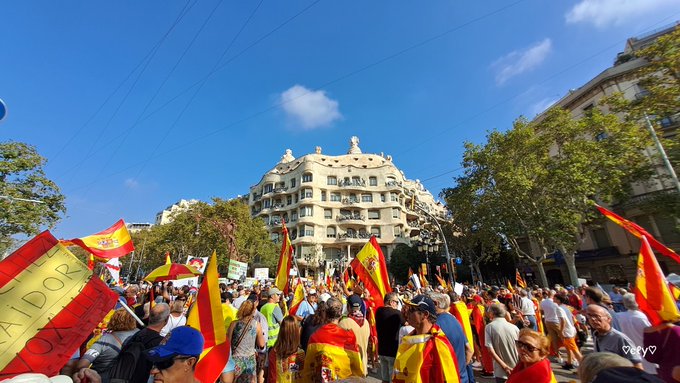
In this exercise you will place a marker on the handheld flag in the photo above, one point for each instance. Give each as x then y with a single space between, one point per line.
510 287
519 281
369 265
298 297
639 232
113 266
285 261
113 242
441 281
651 289
207 317
52 305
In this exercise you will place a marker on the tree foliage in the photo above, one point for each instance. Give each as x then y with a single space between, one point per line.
22 177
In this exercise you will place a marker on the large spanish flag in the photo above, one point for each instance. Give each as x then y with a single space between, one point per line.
207 317
651 289
460 311
369 265
639 232
333 353
51 304
285 261
113 242
408 366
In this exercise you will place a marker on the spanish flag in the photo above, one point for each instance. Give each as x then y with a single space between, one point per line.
442 282
408 366
167 258
285 261
51 304
510 287
298 297
639 232
113 242
539 317
651 289
519 281
369 265
332 354
207 317
460 311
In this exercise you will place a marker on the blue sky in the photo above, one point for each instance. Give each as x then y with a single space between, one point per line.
137 104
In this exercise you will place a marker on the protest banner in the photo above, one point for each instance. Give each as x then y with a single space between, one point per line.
237 270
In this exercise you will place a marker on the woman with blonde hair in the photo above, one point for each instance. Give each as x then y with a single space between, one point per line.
286 358
245 334
533 366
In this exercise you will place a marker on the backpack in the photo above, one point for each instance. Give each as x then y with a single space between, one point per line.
129 361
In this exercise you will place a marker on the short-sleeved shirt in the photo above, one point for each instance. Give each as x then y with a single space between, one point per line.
550 311
501 336
305 309
106 349
527 306
456 336
388 321
614 341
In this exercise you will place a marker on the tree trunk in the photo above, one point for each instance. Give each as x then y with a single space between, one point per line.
570 261
479 273
541 274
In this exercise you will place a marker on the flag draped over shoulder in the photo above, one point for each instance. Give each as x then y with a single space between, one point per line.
113 242
460 311
285 261
369 265
207 317
414 349
651 289
51 303
519 281
639 232
333 353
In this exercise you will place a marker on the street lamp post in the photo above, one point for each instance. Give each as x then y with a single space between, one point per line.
450 267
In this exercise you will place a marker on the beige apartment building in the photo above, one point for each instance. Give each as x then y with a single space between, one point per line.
608 253
332 204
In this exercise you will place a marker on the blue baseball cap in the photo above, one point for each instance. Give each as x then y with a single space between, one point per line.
182 340
423 303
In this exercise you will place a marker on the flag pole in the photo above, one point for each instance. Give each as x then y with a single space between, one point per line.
129 310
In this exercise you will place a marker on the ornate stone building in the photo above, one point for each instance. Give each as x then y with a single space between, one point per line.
333 204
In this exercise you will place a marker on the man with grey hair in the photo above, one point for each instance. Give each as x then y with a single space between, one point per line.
454 333
500 337
609 339
633 322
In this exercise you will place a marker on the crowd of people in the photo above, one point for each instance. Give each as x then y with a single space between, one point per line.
419 335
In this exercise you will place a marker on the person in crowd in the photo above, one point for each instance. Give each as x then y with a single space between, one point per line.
568 332
104 351
228 310
551 319
176 317
312 323
526 307
332 353
286 358
633 323
665 337
426 349
308 306
245 334
175 360
454 333
500 337
241 296
574 299
357 323
274 315
617 299
388 321
595 296
608 338
533 366
593 363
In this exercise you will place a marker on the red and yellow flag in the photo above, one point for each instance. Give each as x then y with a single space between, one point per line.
298 297
51 305
408 366
285 261
113 242
639 232
539 317
651 289
460 311
332 353
369 265
512 290
167 258
519 281
207 317
441 281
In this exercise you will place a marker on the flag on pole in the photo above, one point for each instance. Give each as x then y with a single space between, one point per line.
51 305
441 281
639 232
512 290
167 258
651 289
285 261
206 316
519 281
369 265
113 266
113 242
298 297
410 281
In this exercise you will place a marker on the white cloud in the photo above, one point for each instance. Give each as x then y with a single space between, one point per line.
542 105
310 109
131 183
520 61
603 13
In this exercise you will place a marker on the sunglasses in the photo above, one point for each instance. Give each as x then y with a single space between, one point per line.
525 346
165 364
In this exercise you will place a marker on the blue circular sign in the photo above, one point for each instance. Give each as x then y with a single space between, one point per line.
459 261
3 110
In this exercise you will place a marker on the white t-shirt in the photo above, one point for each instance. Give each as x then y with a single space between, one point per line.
405 330
550 311
527 307
569 330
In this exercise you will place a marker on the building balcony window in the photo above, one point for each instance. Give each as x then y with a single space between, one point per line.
280 189
393 184
257 197
278 206
351 217
352 183
275 222
349 201
414 224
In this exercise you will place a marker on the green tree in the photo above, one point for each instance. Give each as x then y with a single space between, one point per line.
22 178
402 258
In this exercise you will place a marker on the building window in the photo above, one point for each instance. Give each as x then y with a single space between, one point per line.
267 203
600 238
375 231
397 232
306 193
330 232
306 211
268 188
367 198
373 181
293 216
394 197
374 214
309 231
353 198
307 177
275 237
323 196
289 200
382 198
331 180
396 213
293 182
328 214
335 197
